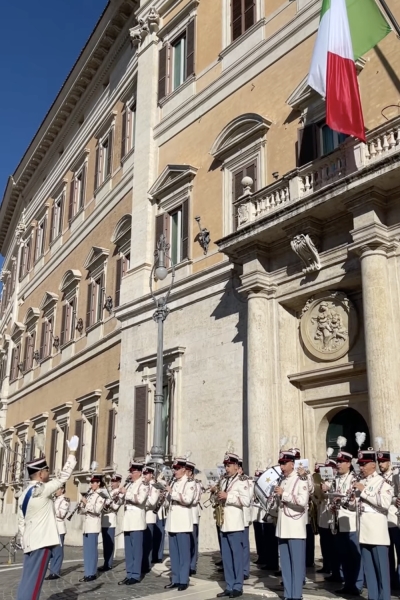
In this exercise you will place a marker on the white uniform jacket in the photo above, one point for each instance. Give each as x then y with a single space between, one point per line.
109 519
293 505
196 503
135 500
375 500
347 517
180 516
92 511
61 508
238 498
38 529
247 510
152 499
392 477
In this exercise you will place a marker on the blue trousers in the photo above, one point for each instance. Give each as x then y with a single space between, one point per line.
133 542
376 569
350 554
148 547
394 534
179 552
232 559
194 547
271 547
90 553
108 535
158 540
293 564
57 557
33 572
246 552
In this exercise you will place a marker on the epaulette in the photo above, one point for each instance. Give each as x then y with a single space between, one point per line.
38 488
191 479
243 477
67 499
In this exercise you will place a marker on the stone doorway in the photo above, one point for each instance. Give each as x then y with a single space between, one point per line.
347 423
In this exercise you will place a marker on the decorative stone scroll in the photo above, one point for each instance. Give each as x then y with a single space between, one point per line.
329 325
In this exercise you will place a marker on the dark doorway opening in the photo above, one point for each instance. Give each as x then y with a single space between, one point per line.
347 423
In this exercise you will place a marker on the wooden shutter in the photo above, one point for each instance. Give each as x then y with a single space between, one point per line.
140 421
29 246
110 438
64 325
236 19
94 439
110 153
60 216
251 171
249 13
32 448
22 263
53 448
42 340
125 131
307 144
82 195
71 201
190 48
43 240
65 447
13 275
26 351
162 227
185 229
32 349
79 432
118 278
89 305
53 223
100 297
12 366
162 72
97 168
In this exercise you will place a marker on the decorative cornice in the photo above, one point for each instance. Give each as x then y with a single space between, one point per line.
326 375
173 176
257 283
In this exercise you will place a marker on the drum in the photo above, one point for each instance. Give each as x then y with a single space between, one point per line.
265 484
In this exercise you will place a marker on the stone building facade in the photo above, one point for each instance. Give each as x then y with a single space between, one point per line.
284 324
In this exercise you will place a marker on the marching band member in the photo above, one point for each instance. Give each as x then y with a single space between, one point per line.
234 496
92 508
291 528
61 508
310 540
194 536
159 533
109 524
134 496
324 519
151 518
392 477
247 522
348 551
181 495
37 524
375 498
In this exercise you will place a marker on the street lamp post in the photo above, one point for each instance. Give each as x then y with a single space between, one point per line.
160 272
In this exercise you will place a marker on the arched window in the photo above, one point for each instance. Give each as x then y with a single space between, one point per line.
347 423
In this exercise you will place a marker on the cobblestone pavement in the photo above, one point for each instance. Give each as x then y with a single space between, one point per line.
203 586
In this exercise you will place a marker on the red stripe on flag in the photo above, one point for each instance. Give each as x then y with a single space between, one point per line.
41 574
343 102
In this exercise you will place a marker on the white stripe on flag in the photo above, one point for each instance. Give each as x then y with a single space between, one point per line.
317 75
339 33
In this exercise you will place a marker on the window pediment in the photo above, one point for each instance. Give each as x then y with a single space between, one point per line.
70 279
32 315
240 130
172 178
17 330
95 256
48 301
121 229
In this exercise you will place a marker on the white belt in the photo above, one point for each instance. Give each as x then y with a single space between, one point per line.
367 508
131 507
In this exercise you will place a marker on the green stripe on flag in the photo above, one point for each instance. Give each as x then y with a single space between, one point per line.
367 25
326 4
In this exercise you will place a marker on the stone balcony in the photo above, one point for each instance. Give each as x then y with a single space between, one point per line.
350 162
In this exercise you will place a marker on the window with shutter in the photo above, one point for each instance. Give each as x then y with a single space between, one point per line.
93 445
163 72
110 438
124 134
26 351
82 188
243 16
185 230
53 223
32 448
42 341
118 278
79 432
65 432
64 325
89 306
97 168
307 144
108 170
53 449
140 421
99 292
190 48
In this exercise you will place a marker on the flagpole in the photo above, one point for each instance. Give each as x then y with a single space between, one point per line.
390 16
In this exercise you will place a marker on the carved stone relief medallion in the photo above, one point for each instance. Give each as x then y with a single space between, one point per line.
329 325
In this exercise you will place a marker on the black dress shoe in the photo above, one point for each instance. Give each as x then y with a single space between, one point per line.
246 577
123 582
193 571
90 578
51 577
132 581
224 593
218 563
104 568
348 591
183 587
333 579
278 573
235 594
170 586
220 569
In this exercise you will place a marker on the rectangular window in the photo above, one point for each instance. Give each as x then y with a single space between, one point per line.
95 301
110 437
68 322
140 424
28 351
175 226
122 267
176 236
104 152
330 139
176 61
24 266
40 239
57 217
46 338
128 128
243 16
15 358
77 193
53 450
79 453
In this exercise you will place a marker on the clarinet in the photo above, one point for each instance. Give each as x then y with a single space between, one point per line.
77 507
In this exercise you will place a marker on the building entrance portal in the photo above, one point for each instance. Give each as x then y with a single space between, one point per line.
347 423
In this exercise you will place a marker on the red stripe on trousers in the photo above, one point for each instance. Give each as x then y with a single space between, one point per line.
343 103
39 580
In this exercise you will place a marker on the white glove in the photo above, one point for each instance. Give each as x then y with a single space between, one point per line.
73 443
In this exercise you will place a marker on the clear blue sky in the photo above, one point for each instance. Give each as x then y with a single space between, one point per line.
39 43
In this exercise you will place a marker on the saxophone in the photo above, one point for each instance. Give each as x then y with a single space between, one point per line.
216 503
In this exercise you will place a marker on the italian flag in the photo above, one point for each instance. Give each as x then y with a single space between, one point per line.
347 30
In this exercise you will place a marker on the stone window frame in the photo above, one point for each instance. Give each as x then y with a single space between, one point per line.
48 308
96 265
106 131
39 427
21 434
88 407
62 419
31 330
17 333
129 124
77 190
42 219
69 288
227 41
57 215
121 238
27 256
7 436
